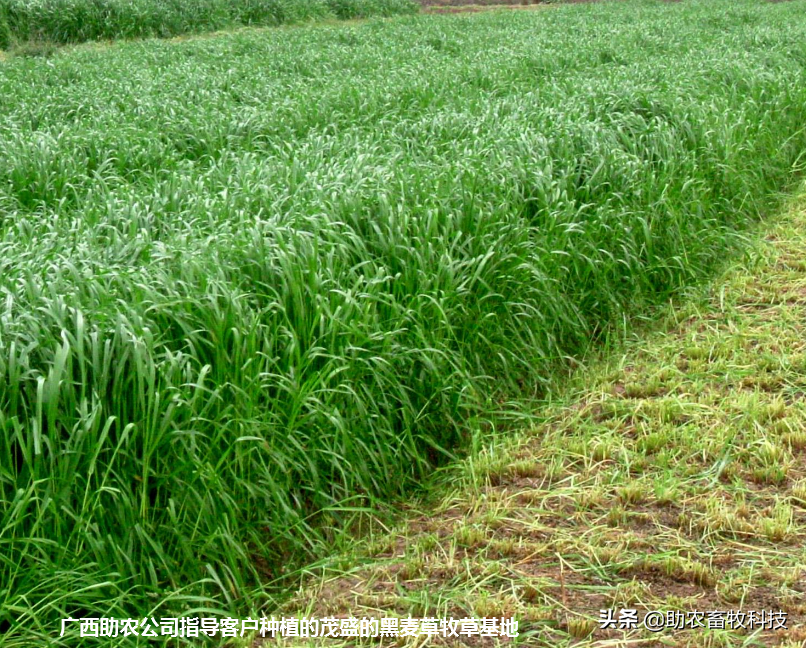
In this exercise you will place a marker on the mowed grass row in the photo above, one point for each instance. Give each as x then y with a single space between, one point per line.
252 284
75 21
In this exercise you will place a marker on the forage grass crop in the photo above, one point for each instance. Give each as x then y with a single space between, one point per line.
75 21
254 283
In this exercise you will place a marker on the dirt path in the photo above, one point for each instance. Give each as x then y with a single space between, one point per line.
673 478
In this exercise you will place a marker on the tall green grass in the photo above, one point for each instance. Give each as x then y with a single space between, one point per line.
75 21
250 284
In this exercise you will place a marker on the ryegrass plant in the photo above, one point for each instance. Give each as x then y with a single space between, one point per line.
251 284
75 21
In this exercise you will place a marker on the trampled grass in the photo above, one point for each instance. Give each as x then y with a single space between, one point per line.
254 284
75 21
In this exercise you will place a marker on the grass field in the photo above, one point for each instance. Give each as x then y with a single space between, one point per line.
40 22
253 285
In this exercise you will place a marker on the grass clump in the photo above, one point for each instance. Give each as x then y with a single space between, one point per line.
5 29
254 284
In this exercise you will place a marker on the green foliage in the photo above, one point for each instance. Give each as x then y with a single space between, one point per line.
346 9
252 282
5 29
277 12
75 21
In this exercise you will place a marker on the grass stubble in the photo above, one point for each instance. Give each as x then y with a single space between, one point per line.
253 286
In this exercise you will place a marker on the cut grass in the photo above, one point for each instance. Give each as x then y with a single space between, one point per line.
669 477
